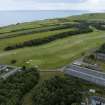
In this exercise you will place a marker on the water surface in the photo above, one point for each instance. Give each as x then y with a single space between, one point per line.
13 17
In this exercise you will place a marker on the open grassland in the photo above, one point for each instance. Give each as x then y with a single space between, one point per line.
90 16
55 54
16 40
22 32
34 25
28 25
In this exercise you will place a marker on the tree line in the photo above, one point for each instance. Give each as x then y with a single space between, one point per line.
80 28
29 31
99 25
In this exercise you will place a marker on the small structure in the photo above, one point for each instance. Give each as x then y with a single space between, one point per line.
95 100
77 63
7 70
92 66
100 56
92 90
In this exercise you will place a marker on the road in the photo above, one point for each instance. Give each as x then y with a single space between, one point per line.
86 74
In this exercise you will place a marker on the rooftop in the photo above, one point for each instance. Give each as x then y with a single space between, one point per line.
96 98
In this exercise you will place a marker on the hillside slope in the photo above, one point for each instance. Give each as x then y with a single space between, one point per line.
90 16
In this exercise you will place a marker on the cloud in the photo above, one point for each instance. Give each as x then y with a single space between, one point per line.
95 5
90 5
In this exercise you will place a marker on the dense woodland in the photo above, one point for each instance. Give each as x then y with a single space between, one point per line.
13 88
54 91
58 91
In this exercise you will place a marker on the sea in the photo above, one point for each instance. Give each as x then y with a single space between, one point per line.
13 17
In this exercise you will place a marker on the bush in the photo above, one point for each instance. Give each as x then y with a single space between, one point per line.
92 56
101 49
13 61
24 67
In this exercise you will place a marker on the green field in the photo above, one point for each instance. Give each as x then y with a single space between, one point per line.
52 55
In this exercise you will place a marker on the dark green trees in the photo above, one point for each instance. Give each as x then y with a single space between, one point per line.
13 88
80 28
57 91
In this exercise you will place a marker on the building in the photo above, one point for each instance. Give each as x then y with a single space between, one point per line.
95 100
7 70
100 56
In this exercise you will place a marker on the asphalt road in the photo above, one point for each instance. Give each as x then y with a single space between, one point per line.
86 74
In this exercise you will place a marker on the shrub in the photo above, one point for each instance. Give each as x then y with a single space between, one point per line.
13 61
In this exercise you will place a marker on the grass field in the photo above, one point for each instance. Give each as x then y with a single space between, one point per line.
52 55
20 39
55 54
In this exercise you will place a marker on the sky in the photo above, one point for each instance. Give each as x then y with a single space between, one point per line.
90 5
